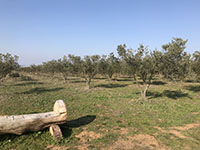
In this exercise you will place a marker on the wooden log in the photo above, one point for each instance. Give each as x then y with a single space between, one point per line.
33 122
55 131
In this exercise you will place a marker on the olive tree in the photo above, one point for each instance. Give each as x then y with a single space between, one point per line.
109 65
7 64
175 62
90 68
70 65
196 64
128 60
64 67
142 64
51 67
75 63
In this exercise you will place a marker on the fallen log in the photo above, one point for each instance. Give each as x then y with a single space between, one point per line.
20 124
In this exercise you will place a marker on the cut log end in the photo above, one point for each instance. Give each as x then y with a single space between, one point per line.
59 107
55 131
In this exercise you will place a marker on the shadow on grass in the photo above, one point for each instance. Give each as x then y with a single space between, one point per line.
40 90
111 85
158 83
8 137
125 79
80 121
100 78
192 81
67 127
194 88
153 83
169 94
28 83
78 81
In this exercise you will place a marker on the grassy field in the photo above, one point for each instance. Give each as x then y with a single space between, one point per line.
109 116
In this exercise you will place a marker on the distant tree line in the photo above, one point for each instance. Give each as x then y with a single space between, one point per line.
142 64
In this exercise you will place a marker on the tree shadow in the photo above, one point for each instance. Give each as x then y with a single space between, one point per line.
78 81
67 127
158 83
111 85
40 90
100 78
124 79
28 83
175 94
168 93
154 94
153 83
194 88
191 81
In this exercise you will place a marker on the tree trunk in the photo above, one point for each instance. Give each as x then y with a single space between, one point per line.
143 91
64 78
110 76
33 122
143 97
88 83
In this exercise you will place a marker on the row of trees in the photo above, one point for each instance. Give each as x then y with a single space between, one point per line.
142 64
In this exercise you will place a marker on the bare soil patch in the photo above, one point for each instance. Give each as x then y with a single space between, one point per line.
86 136
174 132
54 147
187 126
177 130
123 131
195 113
138 142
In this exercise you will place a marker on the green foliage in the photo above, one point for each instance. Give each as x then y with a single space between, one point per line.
69 66
51 66
109 65
140 63
75 62
196 64
175 62
7 64
90 67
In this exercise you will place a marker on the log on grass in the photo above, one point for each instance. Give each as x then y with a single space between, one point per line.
20 124
55 131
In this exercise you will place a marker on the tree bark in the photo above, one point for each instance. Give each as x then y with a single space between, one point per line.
110 76
88 81
33 122
64 77
144 90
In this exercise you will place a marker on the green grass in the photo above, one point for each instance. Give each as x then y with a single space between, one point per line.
105 109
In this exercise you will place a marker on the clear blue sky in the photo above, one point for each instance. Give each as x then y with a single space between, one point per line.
42 30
